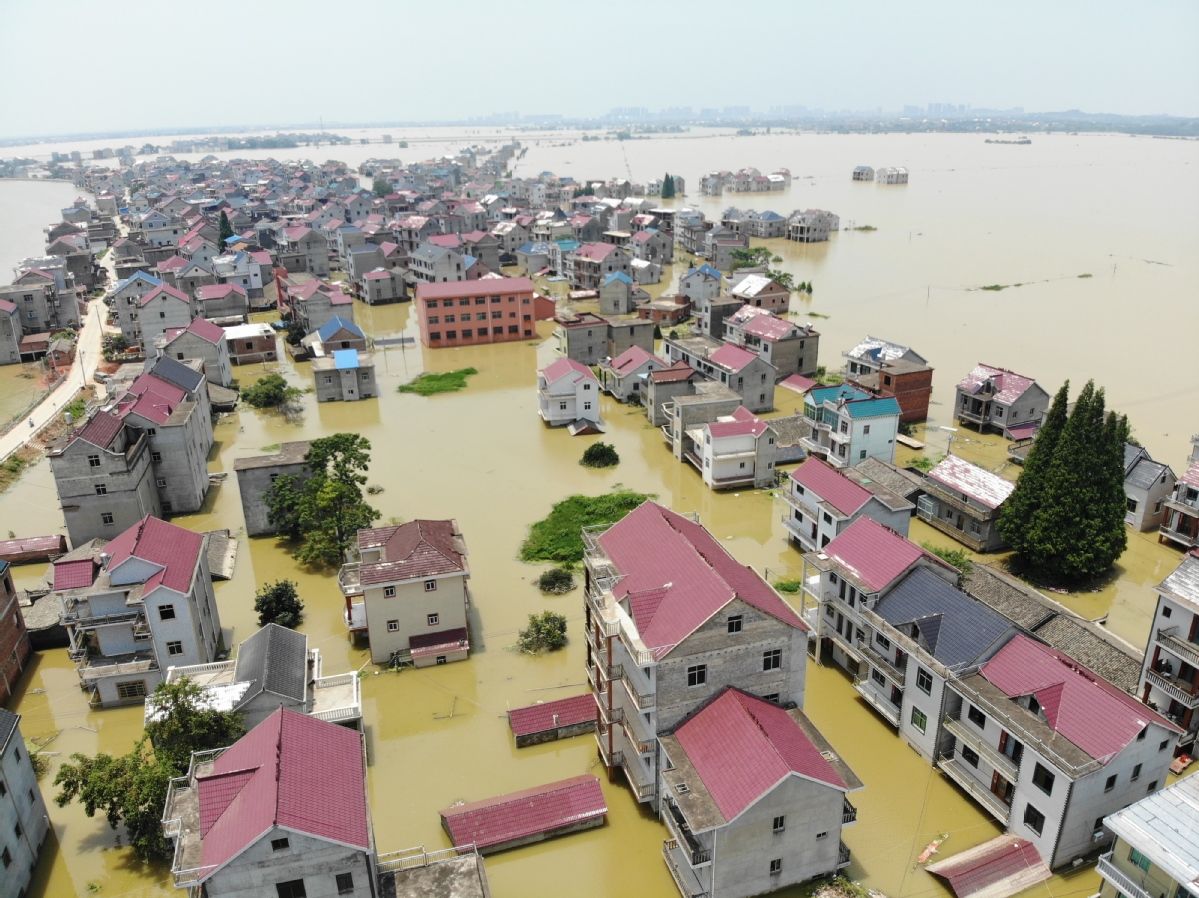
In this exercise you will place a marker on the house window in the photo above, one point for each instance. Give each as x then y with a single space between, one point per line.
328 378
919 719
106 517
1043 779
166 612
977 717
134 689
291 889
175 647
924 681
1110 784
772 660
561 406
101 489
389 592
155 456
1138 860
780 823
1131 503
734 623
93 461
877 676
882 640
1164 743
697 675
345 883
970 756
160 481
821 835
430 585
1152 788
1136 773
1034 819
432 620
776 866
279 844
392 626
6 857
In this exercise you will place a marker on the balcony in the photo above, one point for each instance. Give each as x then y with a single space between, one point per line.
1179 690
991 802
849 814
885 664
884 706
645 701
842 855
972 738
94 669
690 847
1183 648
349 578
610 759
684 877
337 699
641 746
1186 540
854 651
355 616
1123 883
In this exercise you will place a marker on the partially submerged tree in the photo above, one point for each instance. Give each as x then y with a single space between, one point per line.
546 632
380 186
556 581
600 455
279 603
270 391
668 186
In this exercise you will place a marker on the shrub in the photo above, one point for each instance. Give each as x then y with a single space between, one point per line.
959 558
600 455
430 384
559 536
279 603
546 632
270 391
556 581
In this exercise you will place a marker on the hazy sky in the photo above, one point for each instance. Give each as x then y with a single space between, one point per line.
75 66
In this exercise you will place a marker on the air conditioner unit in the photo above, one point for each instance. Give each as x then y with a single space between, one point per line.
1098 835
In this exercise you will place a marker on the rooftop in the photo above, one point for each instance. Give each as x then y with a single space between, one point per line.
288 454
417 549
527 813
550 715
989 490
487 287
173 551
872 554
1008 385
830 485
1162 826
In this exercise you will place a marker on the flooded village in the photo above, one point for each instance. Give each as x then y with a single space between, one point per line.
802 652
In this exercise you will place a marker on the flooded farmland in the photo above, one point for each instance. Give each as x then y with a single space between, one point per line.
973 215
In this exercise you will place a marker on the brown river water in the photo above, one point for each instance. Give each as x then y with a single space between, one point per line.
1118 208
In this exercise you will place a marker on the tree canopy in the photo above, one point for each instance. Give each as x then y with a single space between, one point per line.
753 257
325 509
546 632
1065 519
381 187
226 229
668 186
270 391
279 603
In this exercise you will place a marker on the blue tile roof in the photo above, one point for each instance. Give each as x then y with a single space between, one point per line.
618 276
835 393
706 270
336 323
345 359
873 408
139 276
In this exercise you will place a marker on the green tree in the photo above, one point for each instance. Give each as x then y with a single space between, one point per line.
1017 517
279 603
782 278
270 391
753 257
600 455
556 581
546 632
326 509
668 186
185 721
381 187
295 333
226 228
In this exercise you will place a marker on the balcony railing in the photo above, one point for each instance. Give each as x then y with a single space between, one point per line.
641 746
611 759
349 578
688 885
1123 883
412 858
1185 539
1001 762
885 665
842 855
884 706
952 768
1172 688
849 814
691 848
1183 648
645 701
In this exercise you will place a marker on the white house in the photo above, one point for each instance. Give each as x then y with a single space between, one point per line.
849 424
824 501
568 393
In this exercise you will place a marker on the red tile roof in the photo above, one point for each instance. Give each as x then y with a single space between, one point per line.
411 551
743 746
734 358
551 715
292 771
632 358
441 641
205 330
100 430
675 576
6 306
517 815
77 574
744 423
1008 385
488 287
165 291
986 867
217 291
876 554
595 252
175 551
1078 705
831 485
679 371
565 367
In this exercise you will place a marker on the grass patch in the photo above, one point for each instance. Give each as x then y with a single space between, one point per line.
76 409
790 587
864 228
1086 274
957 557
430 384
994 288
13 466
558 537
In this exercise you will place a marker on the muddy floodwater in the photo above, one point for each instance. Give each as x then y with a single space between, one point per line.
1118 208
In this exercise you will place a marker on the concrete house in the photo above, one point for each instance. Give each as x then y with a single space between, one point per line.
467 313
283 811
700 284
23 818
750 377
226 303
383 285
891 369
582 336
811 225
313 302
163 308
998 399
104 477
15 647
671 620
664 385
274 668
249 344
1169 680
334 334
300 248
1147 486
762 292
433 264
346 375
863 173
1154 851
591 263
407 591
625 376
10 333
618 295
651 245
849 424
753 798
256 473
891 175
1180 525
126 297
568 393
791 348
40 306
142 602
964 501
736 450
823 501
190 277
1049 748
201 340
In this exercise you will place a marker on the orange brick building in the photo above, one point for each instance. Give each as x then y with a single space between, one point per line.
468 313
14 640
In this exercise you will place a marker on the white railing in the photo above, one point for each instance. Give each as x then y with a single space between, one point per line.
984 796
991 753
1124 884
412 858
1173 642
1171 688
195 670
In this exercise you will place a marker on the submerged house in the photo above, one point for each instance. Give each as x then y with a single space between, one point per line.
964 501
568 393
998 399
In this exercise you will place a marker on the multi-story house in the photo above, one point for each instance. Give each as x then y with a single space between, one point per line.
891 174
104 477
583 336
625 376
257 473
1180 524
651 245
345 375
300 248
762 292
15 647
40 306
1049 748
138 604
590 263
1169 680
734 450
671 620
23 818
160 229
998 399
811 225
890 369
791 348
274 668
1147 485
466 313
823 501
10 333
568 393
1155 851
283 811
849 424
407 591
964 501
227 303
432 264
748 375
161 309
313 302
753 798
201 340
701 284
863 173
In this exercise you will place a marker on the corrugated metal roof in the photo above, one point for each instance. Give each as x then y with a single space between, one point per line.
550 715
997 868
874 554
1183 582
529 812
1165 828
831 486
173 549
979 484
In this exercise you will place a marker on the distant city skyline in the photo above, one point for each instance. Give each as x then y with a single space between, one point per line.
139 65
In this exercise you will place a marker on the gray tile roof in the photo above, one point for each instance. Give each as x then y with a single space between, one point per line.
1183 583
177 373
1145 473
275 659
1016 601
8 725
954 628
897 480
